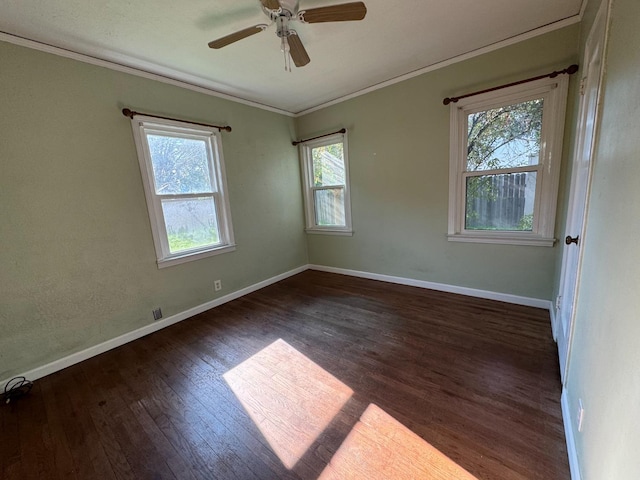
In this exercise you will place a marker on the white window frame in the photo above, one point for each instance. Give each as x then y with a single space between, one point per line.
143 125
309 189
554 92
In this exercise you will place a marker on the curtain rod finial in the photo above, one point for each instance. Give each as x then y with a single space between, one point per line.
128 113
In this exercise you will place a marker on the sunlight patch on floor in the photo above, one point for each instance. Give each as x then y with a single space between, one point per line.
289 398
380 447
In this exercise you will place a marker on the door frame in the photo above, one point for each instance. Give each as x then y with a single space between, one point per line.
597 36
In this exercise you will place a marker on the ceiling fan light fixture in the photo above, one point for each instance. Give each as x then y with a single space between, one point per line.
290 43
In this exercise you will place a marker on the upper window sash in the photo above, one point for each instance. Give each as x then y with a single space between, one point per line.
210 138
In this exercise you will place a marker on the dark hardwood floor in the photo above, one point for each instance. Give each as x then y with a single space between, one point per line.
476 380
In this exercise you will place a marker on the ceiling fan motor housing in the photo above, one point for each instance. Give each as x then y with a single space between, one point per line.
282 23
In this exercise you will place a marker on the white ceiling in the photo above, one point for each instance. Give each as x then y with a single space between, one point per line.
170 38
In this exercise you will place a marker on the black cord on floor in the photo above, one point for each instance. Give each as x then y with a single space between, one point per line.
15 388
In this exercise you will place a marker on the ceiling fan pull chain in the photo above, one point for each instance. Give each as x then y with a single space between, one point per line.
287 61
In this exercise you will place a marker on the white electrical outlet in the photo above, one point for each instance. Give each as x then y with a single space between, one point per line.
580 415
217 285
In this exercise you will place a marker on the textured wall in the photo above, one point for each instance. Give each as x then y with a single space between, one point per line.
605 354
399 164
77 263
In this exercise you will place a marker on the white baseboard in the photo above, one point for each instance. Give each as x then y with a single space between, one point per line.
574 466
442 287
78 357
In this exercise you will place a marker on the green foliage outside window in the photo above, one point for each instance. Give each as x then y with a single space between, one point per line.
185 239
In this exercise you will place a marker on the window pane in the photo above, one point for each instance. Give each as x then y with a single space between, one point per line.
505 137
329 205
328 165
191 223
180 165
501 202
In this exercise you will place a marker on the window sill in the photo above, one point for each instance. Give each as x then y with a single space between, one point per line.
531 240
189 257
322 231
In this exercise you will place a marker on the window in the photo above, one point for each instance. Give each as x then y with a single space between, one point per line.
506 148
185 187
325 170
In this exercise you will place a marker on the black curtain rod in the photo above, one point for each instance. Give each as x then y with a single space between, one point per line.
294 143
130 113
570 70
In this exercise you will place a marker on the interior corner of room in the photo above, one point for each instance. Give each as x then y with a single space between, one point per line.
79 271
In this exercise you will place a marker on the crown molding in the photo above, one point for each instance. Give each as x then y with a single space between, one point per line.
123 63
450 61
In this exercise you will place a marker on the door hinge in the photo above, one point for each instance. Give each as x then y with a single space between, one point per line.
583 82
558 300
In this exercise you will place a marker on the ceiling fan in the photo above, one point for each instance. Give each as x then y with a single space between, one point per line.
281 15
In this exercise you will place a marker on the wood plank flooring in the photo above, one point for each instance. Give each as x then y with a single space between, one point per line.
315 376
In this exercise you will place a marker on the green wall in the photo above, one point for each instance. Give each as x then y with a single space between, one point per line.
78 263
77 258
399 165
604 368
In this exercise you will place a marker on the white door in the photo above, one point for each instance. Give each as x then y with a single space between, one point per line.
572 243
